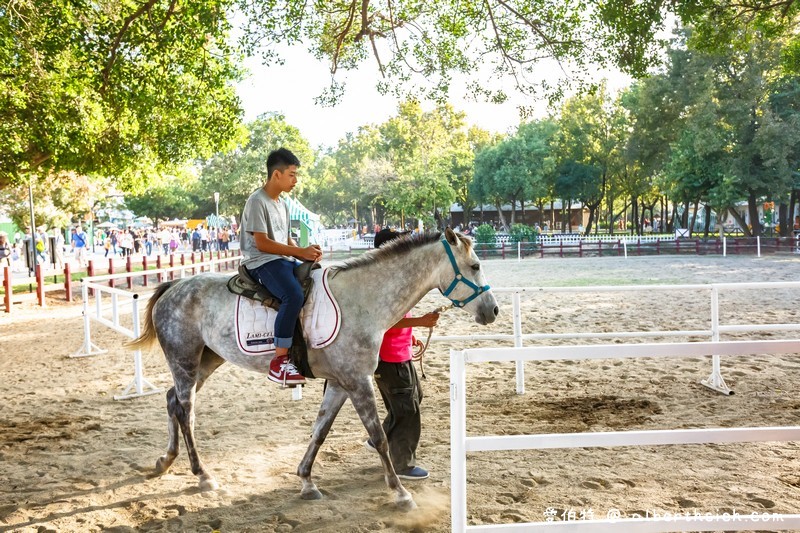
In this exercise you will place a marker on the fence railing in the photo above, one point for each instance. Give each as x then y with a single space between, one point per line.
124 302
591 246
461 444
713 332
136 268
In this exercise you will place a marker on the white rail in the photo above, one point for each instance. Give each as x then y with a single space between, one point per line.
714 381
461 444
124 302
140 386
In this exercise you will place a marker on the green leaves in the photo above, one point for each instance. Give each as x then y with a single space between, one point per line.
118 89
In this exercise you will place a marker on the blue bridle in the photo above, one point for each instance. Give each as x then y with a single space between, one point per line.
476 290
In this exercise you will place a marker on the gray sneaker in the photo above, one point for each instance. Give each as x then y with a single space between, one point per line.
413 473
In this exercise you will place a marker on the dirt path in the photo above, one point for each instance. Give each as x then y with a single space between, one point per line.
73 459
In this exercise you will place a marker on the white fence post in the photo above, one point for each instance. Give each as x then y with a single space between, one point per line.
87 348
758 245
458 432
518 343
724 247
139 382
715 380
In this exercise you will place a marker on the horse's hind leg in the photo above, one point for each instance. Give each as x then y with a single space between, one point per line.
332 402
363 398
166 460
180 408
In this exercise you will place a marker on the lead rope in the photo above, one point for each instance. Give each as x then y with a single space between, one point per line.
422 348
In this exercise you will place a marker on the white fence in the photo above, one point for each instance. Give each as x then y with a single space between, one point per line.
714 381
461 444
124 302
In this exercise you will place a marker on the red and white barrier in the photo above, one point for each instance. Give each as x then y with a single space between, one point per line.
124 302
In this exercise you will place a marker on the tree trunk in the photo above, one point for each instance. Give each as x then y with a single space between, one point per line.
501 216
593 208
694 217
752 210
540 206
740 220
552 214
707 222
610 203
673 218
590 222
513 209
784 221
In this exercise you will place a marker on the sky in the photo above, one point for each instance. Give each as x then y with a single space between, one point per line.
290 89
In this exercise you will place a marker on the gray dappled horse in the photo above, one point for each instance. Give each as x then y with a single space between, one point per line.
193 319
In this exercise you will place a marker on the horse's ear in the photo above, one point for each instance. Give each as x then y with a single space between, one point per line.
451 236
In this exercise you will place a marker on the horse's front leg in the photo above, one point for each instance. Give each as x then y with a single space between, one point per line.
363 398
332 402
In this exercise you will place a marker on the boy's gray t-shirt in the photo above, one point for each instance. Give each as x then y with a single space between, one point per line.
258 207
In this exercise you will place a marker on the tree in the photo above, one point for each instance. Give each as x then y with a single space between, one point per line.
56 199
236 174
426 150
172 196
118 89
589 140
730 142
419 46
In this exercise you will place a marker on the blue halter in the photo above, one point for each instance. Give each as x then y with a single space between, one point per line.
476 290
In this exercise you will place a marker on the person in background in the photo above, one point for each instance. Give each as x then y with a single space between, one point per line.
5 250
79 245
58 245
196 239
399 387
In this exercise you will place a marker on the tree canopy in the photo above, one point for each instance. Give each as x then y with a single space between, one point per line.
122 89
419 46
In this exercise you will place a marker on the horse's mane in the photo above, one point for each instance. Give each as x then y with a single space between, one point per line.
399 246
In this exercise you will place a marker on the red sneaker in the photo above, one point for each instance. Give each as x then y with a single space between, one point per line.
284 372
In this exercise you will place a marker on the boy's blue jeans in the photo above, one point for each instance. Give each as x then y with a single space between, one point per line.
278 277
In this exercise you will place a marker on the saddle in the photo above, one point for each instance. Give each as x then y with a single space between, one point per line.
244 285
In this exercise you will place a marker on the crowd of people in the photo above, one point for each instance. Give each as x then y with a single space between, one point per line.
51 247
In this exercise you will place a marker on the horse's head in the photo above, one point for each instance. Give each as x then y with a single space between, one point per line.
463 282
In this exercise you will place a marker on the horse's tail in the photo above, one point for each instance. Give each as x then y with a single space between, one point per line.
148 336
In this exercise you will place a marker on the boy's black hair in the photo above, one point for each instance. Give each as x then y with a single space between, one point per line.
280 159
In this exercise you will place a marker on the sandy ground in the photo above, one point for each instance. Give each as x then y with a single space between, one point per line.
73 459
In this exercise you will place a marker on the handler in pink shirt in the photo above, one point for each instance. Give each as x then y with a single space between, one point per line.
399 387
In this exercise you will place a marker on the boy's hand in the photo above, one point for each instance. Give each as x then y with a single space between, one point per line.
310 253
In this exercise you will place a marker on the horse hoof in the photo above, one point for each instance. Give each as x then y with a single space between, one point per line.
208 483
311 494
162 464
406 505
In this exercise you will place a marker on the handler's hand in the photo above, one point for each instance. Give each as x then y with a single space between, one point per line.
429 320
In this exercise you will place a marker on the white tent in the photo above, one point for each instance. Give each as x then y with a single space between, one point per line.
298 211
